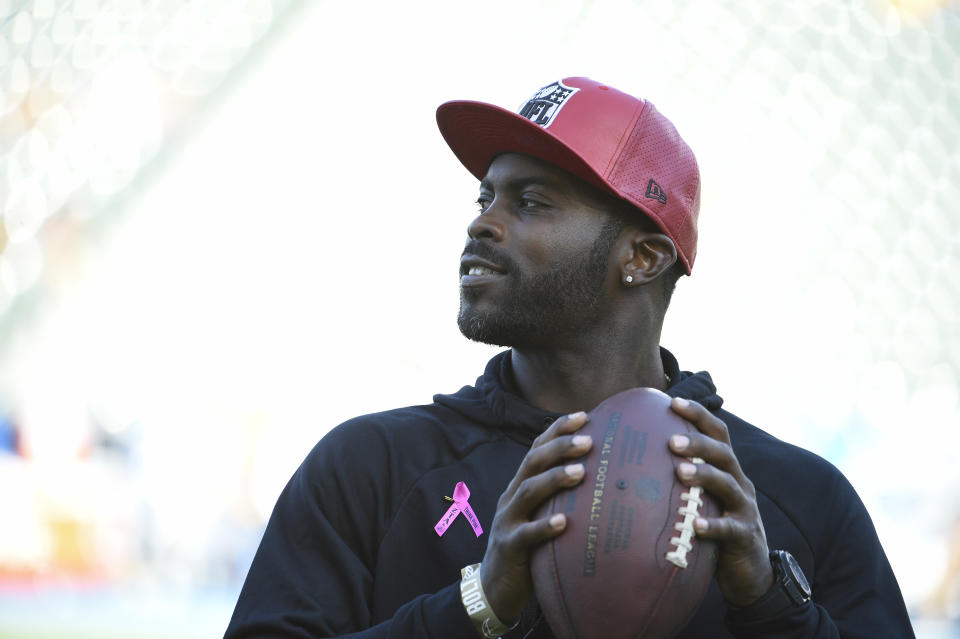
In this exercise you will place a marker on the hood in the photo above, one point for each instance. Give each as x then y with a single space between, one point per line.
696 386
494 401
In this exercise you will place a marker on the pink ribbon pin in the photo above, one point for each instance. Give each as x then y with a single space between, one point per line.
460 505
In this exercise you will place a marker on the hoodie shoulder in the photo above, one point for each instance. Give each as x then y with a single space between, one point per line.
763 454
809 493
429 430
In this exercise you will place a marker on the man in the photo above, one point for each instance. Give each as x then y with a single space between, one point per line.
588 211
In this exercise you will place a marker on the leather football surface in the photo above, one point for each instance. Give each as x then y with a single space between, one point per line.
628 564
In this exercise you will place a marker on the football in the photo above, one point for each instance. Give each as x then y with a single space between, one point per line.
628 564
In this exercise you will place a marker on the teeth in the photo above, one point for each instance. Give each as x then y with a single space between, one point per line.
480 270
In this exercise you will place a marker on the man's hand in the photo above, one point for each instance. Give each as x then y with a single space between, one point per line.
505 573
743 567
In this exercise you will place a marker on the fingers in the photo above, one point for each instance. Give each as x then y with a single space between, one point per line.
549 466
705 421
506 565
721 485
743 569
553 452
723 529
711 444
562 426
720 474
552 447
534 490
535 532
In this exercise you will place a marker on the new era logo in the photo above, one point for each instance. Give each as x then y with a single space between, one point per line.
654 192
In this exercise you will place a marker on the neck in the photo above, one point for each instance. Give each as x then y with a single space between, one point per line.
578 378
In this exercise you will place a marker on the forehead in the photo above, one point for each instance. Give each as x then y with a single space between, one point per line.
518 170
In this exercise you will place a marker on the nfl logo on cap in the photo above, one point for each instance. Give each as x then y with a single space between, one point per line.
546 103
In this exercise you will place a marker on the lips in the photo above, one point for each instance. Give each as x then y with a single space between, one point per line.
476 271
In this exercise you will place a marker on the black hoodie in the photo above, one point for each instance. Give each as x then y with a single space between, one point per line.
350 549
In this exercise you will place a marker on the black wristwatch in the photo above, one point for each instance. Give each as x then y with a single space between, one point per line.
790 590
787 575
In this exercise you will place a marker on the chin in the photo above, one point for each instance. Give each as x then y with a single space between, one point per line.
498 329
476 326
481 326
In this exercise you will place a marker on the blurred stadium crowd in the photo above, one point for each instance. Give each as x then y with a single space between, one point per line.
130 470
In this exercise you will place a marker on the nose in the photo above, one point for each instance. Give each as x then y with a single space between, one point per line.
486 226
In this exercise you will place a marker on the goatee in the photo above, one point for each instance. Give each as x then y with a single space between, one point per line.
538 309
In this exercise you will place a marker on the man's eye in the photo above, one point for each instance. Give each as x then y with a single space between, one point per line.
482 203
527 203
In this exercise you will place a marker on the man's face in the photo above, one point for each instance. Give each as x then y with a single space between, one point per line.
533 271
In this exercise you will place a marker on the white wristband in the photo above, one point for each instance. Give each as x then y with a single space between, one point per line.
477 607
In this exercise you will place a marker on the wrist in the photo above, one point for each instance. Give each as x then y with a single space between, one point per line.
790 591
504 608
477 607
746 597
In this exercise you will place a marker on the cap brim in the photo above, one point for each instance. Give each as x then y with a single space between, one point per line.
476 132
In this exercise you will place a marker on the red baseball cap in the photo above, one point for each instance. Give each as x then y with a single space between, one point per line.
605 137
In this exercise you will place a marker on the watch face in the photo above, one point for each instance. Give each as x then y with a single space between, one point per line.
796 574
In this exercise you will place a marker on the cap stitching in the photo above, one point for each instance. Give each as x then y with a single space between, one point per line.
624 137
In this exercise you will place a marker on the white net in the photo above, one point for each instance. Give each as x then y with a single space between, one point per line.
827 134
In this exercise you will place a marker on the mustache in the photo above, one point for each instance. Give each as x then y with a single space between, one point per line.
487 252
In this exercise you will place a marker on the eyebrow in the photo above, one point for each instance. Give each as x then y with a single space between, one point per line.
523 181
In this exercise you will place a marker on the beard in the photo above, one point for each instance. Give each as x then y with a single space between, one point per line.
540 309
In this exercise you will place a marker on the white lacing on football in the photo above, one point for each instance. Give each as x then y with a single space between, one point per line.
689 510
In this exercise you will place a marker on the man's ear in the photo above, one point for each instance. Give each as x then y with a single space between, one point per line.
650 255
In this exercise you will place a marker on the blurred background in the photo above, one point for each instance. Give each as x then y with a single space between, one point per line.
226 226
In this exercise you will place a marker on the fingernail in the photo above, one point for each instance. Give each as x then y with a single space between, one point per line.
687 470
681 402
581 440
577 415
700 525
573 470
679 442
557 521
